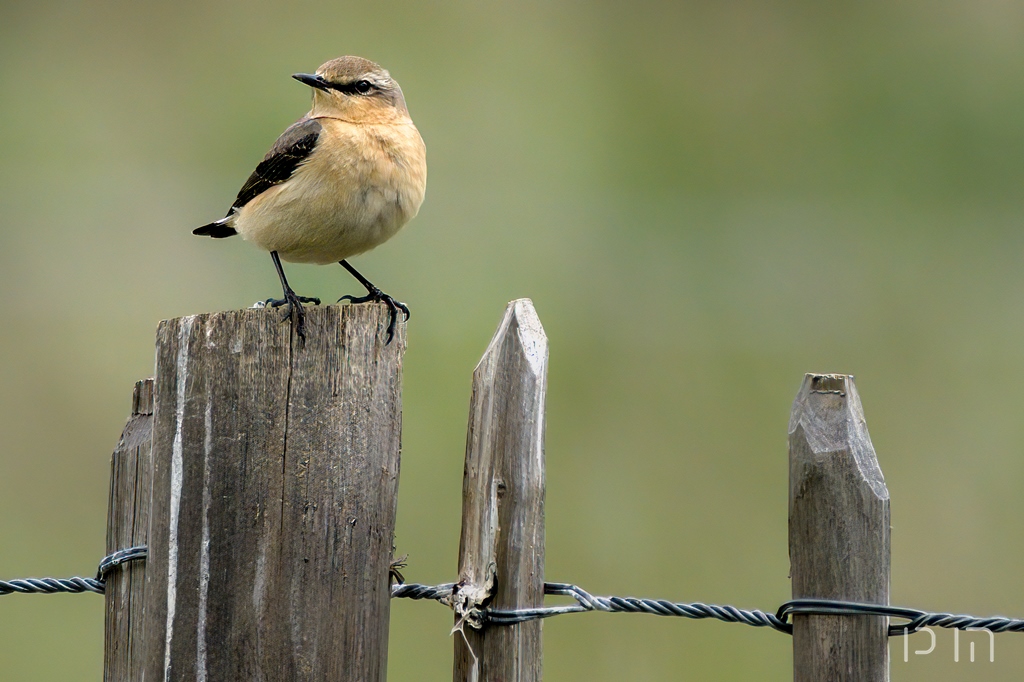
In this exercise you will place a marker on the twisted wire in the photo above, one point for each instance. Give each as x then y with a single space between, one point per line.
949 620
74 585
417 591
588 602
657 607
780 621
916 619
51 585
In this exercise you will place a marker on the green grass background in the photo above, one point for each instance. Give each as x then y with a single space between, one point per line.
704 200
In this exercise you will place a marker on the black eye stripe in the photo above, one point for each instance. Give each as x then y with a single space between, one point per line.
359 87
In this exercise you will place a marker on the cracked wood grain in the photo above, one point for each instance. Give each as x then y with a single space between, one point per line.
838 533
501 555
131 468
275 476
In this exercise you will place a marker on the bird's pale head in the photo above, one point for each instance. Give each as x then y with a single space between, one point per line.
355 89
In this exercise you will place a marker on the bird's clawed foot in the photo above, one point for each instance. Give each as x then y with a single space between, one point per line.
374 295
295 309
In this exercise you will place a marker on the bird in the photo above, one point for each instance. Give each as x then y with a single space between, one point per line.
338 182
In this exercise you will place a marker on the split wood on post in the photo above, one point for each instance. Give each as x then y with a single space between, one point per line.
838 533
501 557
274 496
131 470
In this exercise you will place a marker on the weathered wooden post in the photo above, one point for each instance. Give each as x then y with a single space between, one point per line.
501 558
131 470
838 533
275 475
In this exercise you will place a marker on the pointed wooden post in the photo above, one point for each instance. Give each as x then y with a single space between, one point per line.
131 472
501 557
838 533
275 483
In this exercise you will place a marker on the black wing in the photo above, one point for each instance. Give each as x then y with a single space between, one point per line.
291 149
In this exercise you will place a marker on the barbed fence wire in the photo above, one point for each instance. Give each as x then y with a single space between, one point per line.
914 619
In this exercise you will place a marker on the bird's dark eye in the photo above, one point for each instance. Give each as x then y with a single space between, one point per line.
363 87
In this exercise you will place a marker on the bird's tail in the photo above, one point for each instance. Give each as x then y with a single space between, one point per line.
219 229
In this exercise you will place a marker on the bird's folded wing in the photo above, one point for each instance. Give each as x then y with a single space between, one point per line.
291 149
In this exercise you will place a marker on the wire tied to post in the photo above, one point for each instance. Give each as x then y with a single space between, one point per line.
781 620
75 585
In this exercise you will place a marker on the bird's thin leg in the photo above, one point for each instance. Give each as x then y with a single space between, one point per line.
375 294
291 299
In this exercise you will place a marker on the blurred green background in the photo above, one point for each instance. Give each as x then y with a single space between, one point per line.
704 200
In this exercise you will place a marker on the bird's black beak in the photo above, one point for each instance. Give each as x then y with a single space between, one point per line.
312 80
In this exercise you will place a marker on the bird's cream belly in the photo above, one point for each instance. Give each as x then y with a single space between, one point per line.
335 206
311 228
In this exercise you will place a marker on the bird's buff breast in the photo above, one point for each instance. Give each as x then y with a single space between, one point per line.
356 190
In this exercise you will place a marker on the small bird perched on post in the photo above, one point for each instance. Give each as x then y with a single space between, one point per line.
338 182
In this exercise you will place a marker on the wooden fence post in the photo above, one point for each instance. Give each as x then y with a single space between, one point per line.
131 470
838 533
501 557
274 495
